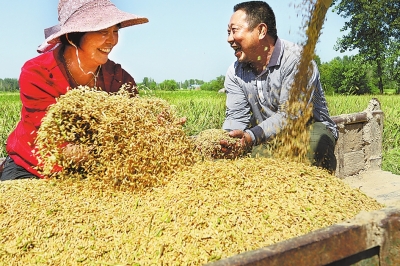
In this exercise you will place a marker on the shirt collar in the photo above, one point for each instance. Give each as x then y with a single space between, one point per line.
275 57
276 54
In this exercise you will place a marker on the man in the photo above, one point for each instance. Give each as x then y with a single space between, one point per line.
258 86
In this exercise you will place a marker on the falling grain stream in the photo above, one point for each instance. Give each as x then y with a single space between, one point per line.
293 143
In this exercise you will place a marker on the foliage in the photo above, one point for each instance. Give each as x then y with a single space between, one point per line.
149 83
191 83
357 77
392 69
9 84
372 26
214 85
168 85
171 85
10 108
317 60
353 75
332 75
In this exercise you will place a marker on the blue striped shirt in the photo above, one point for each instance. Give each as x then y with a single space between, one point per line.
255 103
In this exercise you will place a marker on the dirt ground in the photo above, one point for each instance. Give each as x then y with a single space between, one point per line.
380 185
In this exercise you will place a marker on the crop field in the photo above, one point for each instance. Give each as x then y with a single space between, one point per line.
205 110
10 108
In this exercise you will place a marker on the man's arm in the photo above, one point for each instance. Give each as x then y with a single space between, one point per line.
238 112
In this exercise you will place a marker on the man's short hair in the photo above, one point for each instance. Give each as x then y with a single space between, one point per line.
259 12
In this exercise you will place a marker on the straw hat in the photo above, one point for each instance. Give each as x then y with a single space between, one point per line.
85 16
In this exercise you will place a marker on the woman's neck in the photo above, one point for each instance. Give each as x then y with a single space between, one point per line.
82 73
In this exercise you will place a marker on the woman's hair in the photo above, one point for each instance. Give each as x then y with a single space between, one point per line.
259 12
74 37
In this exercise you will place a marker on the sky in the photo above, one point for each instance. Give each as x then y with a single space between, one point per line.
183 40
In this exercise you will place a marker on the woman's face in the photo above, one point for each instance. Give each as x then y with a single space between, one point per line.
96 45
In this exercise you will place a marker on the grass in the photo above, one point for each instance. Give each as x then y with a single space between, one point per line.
10 108
205 110
389 105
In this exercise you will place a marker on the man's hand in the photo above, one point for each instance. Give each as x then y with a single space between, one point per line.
76 153
240 147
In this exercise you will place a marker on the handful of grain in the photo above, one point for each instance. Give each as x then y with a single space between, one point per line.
208 143
126 140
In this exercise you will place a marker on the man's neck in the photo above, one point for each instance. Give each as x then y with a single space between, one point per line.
263 59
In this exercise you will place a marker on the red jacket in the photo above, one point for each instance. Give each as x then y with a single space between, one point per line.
42 80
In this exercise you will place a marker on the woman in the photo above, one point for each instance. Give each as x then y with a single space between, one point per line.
74 53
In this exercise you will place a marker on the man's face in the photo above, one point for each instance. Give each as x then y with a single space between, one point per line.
243 40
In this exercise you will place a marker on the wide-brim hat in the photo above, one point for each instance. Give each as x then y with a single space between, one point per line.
86 16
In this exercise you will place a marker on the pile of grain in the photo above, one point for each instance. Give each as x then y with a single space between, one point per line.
213 210
125 140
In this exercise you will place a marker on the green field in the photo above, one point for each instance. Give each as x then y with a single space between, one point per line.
205 109
10 108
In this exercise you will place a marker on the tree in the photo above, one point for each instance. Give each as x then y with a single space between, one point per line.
187 84
214 85
331 74
348 75
317 60
148 83
357 76
393 65
371 26
168 85
9 84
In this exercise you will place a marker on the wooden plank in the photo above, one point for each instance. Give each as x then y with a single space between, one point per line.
370 239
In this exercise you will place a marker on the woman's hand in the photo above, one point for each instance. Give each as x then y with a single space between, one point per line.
243 144
165 117
182 121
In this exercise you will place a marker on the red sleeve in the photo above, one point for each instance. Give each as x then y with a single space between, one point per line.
40 82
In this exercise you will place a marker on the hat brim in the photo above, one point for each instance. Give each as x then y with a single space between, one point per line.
93 20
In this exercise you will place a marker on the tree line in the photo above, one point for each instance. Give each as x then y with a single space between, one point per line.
9 84
348 75
170 84
191 84
354 75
